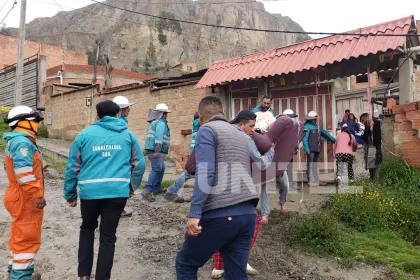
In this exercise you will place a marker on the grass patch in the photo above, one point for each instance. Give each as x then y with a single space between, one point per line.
167 183
380 225
58 165
3 128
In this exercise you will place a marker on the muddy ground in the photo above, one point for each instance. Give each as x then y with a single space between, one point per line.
149 240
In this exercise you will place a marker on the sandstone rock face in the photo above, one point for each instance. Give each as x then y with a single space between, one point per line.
127 36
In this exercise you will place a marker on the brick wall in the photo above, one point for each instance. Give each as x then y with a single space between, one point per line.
70 113
54 54
406 132
373 82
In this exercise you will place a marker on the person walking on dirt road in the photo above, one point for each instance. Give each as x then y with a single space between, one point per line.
24 197
156 147
245 122
103 160
125 105
222 214
312 146
172 192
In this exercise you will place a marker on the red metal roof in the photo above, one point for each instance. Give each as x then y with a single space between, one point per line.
308 54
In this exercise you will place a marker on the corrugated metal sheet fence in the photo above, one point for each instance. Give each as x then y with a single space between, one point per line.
29 87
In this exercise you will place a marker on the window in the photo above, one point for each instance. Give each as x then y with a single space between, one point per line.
361 79
189 68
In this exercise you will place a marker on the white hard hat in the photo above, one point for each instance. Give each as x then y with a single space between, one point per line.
312 115
20 113
162 107
288 112
122 101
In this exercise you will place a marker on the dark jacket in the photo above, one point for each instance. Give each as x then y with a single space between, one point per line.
374 137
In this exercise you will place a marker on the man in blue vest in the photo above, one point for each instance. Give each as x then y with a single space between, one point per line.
172 192
104 160
156 147
124 105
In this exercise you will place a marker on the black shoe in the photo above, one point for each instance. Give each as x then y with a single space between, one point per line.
173 197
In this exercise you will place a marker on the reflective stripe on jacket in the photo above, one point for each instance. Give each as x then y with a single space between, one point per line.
158 132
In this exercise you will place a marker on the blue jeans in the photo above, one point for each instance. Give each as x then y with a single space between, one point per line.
184 177
231 236
154 182
312 171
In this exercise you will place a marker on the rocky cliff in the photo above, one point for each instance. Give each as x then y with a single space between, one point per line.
137 40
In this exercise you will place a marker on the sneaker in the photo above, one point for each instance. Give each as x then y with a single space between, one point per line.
250 270
217 274
126 213
159 191
351 181
173 197
148 196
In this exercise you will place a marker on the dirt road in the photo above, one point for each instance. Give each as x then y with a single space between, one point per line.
148 242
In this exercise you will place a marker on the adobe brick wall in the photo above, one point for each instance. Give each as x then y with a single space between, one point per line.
406 132
70 113
373 82
54 54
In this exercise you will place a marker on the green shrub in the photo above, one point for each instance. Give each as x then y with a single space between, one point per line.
321 233
42 131
363 211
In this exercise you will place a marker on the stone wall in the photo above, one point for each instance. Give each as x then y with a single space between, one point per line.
70 113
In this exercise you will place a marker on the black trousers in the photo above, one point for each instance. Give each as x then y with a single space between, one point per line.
110 212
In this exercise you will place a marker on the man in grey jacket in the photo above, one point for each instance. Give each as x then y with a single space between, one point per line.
222 214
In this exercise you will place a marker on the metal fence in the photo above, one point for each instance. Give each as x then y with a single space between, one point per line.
29 86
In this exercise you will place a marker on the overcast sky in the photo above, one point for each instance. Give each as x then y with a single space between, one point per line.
321 15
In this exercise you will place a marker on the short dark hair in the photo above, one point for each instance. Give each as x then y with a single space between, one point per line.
347 111
210 106
267 97
363 116
107 108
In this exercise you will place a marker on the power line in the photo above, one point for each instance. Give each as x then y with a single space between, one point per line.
258 30
183 33
14 4
3 6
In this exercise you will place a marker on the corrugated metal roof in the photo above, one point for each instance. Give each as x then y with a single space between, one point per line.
308 54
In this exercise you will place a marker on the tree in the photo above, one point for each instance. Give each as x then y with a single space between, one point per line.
92 57
4 31
165 28
147 64
151 53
